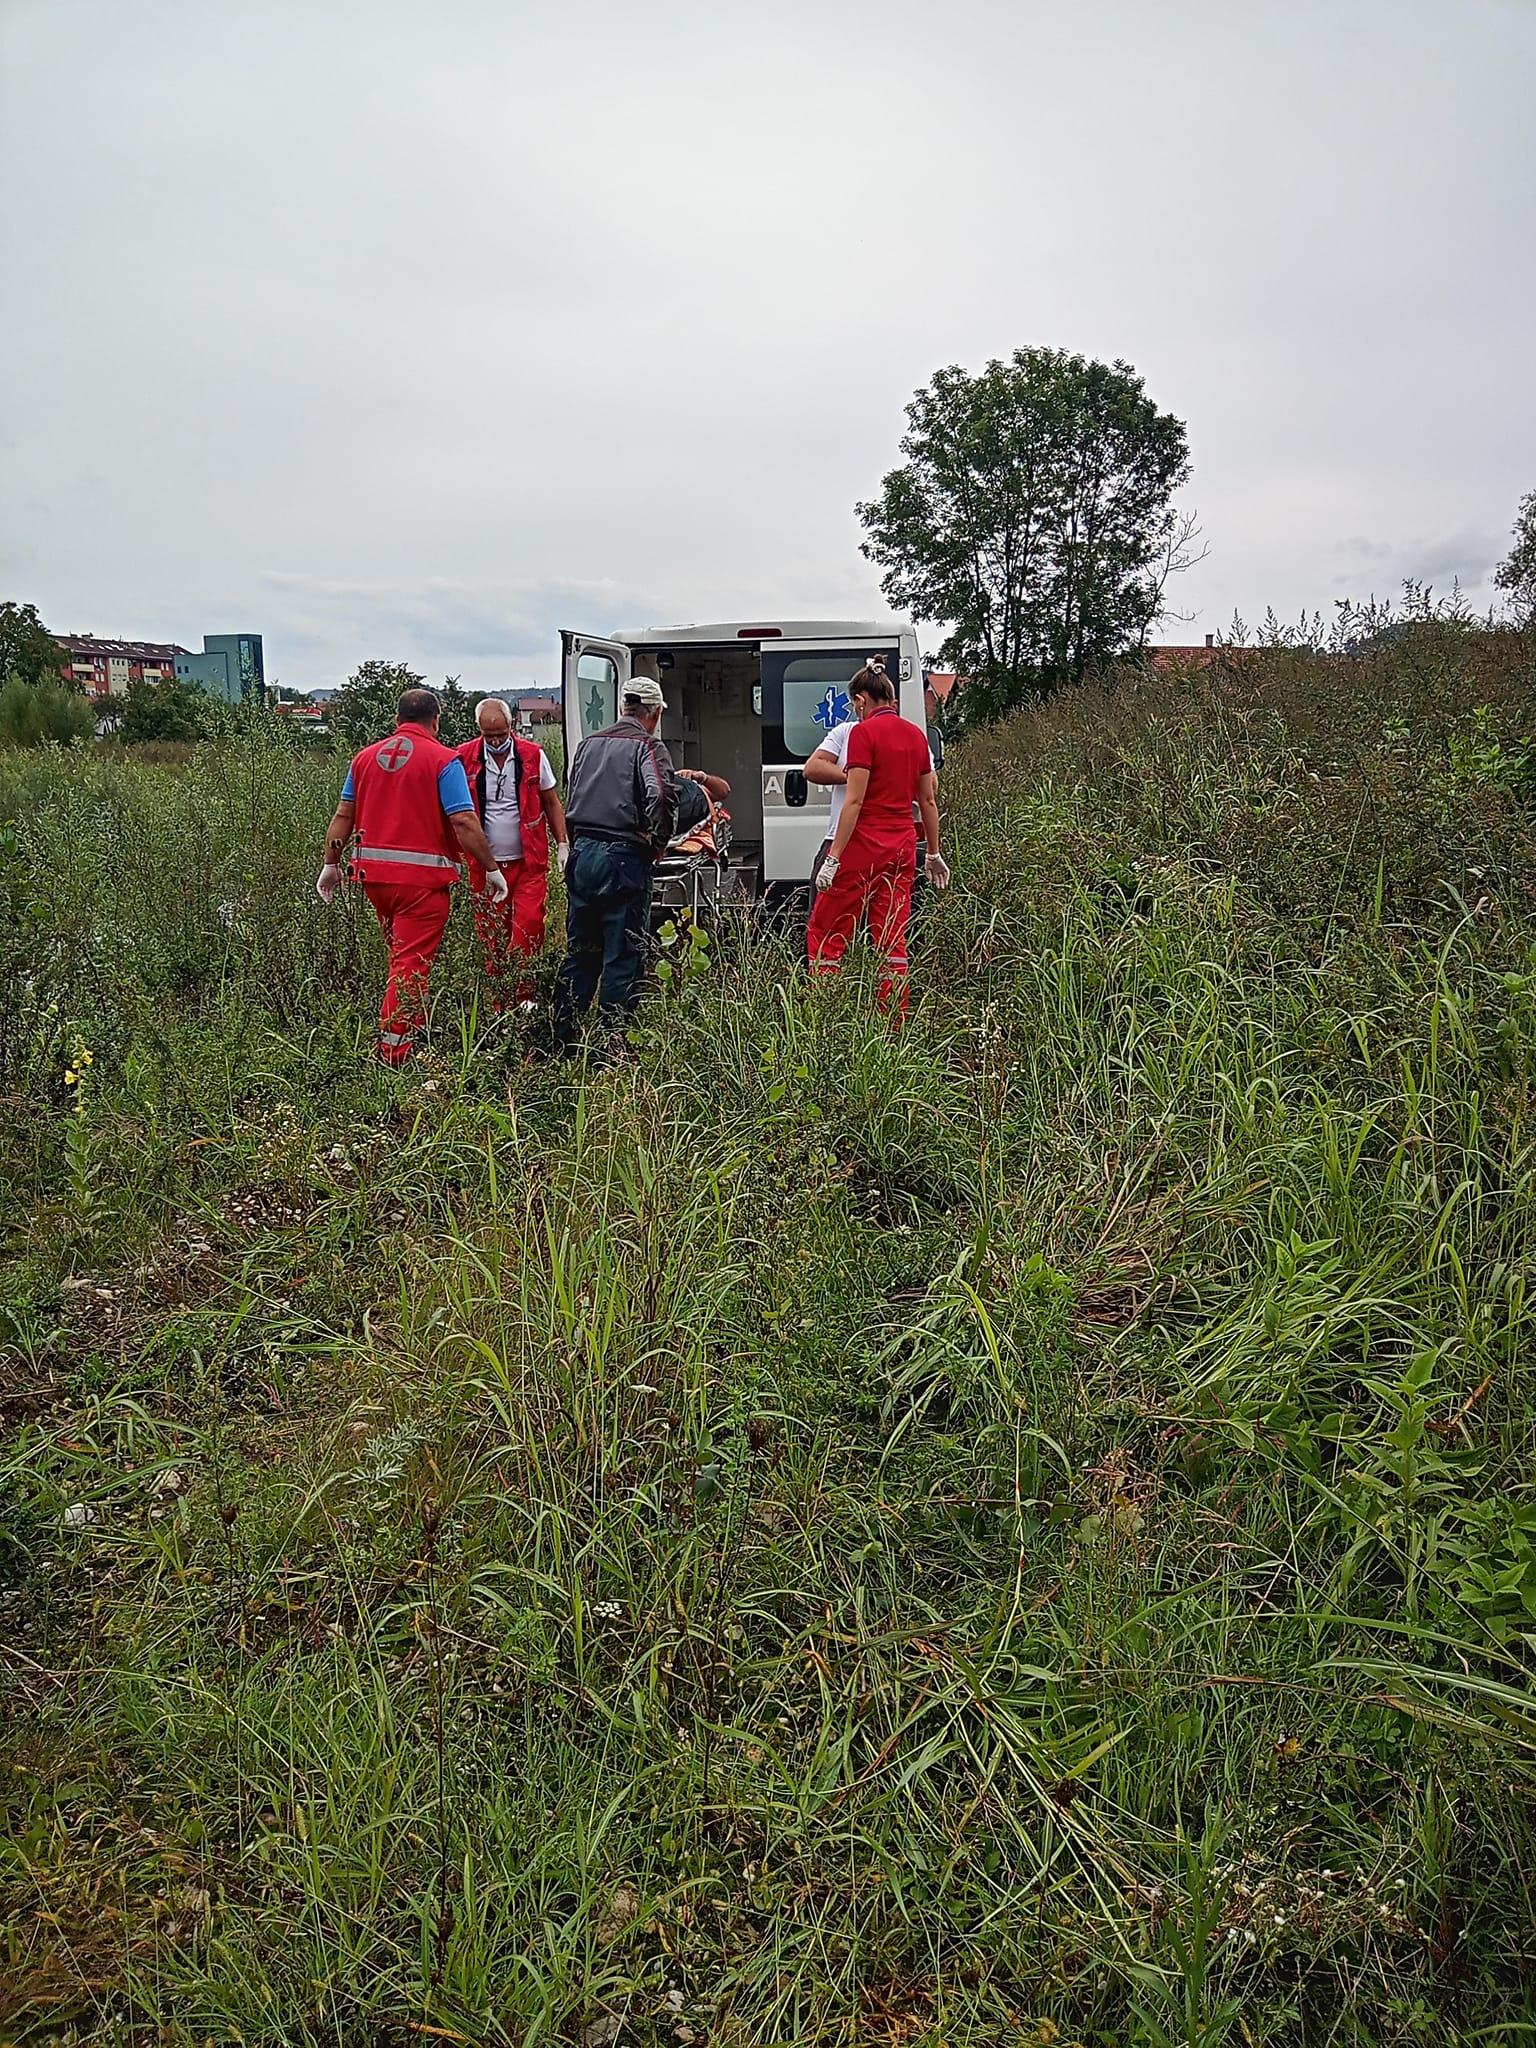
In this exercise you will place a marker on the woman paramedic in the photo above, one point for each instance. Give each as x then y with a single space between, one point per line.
869 871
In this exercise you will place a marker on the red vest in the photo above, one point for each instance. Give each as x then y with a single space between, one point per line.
402 834
530 811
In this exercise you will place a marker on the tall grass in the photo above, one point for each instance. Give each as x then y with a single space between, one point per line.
1019 1529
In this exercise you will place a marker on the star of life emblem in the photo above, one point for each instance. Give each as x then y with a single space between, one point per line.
833 708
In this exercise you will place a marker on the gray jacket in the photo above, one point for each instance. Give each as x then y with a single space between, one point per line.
622 785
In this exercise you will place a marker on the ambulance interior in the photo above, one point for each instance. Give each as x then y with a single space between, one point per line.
712 722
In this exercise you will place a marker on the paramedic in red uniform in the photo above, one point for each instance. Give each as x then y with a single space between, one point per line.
513 787
407 800
873 862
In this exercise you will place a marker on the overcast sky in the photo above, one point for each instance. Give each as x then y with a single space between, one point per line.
417 331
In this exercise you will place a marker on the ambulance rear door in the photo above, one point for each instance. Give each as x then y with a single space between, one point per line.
592 675
804 695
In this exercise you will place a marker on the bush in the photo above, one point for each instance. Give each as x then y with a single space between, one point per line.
171 711
40 714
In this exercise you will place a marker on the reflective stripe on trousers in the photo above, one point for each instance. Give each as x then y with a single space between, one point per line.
414 916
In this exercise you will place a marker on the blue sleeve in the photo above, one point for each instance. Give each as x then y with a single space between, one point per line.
453 788
347 796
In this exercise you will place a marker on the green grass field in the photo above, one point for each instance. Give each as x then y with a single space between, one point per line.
1019 1531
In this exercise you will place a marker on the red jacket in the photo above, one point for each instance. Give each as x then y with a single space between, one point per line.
402 833
530 810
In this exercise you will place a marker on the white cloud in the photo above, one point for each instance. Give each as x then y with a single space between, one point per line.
395 331
468 629
1380 566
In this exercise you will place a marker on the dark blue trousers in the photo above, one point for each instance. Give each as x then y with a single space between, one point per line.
608 912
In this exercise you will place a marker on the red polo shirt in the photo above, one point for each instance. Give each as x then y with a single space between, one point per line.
896 754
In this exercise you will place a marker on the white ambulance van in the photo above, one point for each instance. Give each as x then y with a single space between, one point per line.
748 701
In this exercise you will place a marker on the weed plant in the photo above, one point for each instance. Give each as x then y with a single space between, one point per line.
1019 1529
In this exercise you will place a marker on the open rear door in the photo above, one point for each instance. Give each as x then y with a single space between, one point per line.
592 675
805 693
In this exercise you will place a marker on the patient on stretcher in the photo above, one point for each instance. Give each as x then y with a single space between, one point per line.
703 822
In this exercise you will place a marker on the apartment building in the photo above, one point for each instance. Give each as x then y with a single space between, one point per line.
105 668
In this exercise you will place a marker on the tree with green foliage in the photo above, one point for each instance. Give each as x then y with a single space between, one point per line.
458 720
27 648
37 705
35 714
364 709
1033 515
169 711
1516 574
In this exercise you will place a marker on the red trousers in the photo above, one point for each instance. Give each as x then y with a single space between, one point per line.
414 919
512 932
882 896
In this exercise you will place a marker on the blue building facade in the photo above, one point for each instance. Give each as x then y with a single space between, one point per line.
230 667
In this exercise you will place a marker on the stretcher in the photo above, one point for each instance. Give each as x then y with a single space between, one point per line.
697 875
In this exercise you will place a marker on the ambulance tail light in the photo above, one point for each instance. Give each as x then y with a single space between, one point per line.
761 633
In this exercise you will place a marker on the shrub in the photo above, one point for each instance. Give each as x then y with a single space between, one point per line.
169 711
40 714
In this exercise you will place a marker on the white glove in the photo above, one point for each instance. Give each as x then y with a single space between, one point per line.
826 874
495 886
936 867
563 855
328 881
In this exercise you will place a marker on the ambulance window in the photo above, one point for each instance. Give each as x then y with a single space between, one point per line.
816 698
597 691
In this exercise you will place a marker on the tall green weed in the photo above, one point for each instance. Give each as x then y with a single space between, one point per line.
1016 1528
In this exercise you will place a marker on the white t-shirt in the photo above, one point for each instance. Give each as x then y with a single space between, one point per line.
503 821
836 744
